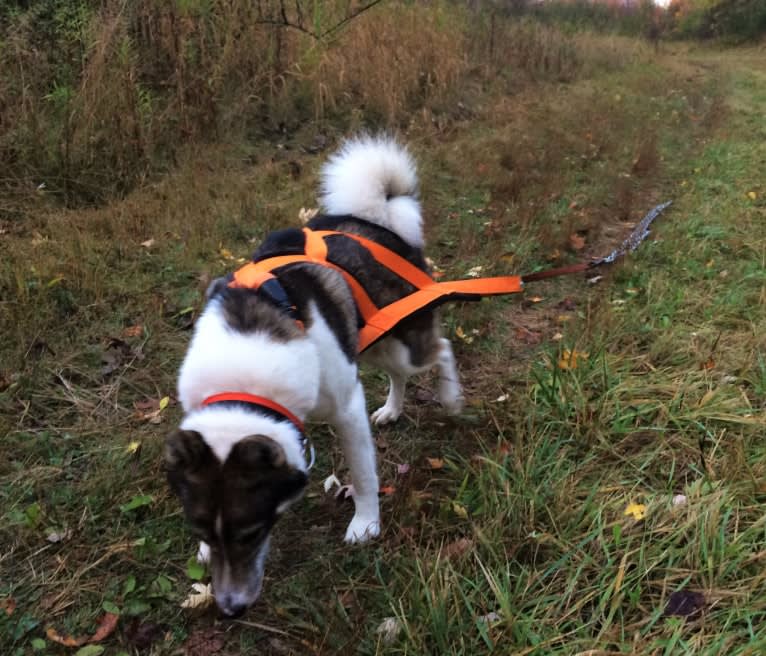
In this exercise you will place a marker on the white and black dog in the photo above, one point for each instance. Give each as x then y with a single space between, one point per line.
237 466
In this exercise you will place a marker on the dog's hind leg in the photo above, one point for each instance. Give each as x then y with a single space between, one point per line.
394 404
449 390
359 448
393 357
417 347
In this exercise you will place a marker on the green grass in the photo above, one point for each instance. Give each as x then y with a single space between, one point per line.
520 543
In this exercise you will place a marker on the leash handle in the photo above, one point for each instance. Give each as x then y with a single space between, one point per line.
630 244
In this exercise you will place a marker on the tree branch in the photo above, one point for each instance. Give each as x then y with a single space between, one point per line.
285 22
349 18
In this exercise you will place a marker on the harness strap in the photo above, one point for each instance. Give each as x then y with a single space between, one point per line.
379 321
428 292
253 274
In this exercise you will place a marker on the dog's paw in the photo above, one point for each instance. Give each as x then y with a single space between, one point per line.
203 553
385 415
451 396
362 529
453 403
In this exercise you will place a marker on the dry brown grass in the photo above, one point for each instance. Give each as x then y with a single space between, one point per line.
113 92
390 65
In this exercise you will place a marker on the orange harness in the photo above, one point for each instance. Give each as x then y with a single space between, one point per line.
378 321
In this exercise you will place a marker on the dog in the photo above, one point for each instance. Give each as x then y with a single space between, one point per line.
238 465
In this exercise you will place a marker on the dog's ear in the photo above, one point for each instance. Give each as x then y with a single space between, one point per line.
186 451
259 464
257 452
216 286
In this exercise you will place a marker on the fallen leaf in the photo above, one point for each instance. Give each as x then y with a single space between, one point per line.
90 650
146 404
138 501
595 279
457 548
106 626
507 257
148 243
387 490
679 500
570 359
637 510
67 641
576 242
58 536
225 253
133 447
475 272
151 410
563 318
708 364
554 255
752 195
685 603
389 630
460 510
200 597
304 215
460 334
535 299
502 398
38 239
8 605
558 337
435 463
489 618
133 331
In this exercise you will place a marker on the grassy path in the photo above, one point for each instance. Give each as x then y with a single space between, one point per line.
515 539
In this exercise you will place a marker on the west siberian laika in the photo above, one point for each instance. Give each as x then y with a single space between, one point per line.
236 465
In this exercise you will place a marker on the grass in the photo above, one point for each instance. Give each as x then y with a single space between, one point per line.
519 543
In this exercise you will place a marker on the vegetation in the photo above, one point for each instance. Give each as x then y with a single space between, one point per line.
603 491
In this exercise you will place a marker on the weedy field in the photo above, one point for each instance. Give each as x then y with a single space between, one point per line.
602 493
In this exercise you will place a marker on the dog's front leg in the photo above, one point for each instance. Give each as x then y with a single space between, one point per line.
359 448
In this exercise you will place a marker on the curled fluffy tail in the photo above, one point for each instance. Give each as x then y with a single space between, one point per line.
375 178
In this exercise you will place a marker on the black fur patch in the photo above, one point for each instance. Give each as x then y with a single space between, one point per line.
247 310
307 283
245 491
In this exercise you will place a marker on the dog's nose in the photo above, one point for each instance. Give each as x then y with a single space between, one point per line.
234 610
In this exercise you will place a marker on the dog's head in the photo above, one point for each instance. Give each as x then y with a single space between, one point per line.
232 506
